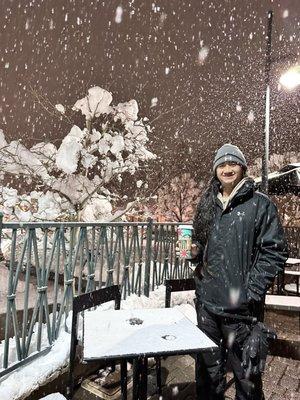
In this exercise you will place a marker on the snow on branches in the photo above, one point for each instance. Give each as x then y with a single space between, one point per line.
71 182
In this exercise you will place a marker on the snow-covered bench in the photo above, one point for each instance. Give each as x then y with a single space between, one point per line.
290 303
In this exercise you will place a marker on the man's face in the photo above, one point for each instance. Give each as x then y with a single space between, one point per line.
229 174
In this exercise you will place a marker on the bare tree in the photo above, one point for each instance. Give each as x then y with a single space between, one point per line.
177 200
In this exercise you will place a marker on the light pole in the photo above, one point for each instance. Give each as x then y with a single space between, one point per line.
265 158
290 79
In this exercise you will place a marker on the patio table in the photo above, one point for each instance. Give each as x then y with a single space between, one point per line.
140 334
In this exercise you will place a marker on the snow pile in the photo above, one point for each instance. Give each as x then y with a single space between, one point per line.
68 154
29 377
25 380
54 396
71 181
95 103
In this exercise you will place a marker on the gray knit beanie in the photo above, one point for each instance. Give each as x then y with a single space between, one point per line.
229 152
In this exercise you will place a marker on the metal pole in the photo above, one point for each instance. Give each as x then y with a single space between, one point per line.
265 158
148 258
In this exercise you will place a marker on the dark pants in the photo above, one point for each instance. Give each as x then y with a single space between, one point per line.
229 335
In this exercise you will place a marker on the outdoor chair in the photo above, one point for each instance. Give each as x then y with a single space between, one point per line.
81 303
178 285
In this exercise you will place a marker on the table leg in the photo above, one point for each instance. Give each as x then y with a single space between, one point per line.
135 378
144 378
158 375
124 379
197 376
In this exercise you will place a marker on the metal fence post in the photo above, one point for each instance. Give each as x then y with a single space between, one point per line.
1 222
148 258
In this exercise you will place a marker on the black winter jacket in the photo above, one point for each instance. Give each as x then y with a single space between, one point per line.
244 252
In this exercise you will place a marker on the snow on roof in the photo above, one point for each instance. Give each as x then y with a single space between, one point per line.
277 174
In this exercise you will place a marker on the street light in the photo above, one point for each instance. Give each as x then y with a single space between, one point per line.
290 79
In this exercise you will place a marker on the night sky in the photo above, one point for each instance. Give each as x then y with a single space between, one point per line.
194 67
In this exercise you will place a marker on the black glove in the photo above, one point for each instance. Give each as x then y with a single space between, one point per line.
256 347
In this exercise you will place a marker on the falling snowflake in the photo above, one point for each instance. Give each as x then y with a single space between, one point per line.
250 117
202 55
154 101
167 70
234 296
238 107
285 13
230 339
175 391
119 14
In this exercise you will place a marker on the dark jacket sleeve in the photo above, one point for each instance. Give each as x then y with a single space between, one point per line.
271 252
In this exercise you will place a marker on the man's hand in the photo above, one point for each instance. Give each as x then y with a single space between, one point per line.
194 250
256 349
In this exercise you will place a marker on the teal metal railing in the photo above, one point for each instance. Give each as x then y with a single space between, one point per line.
46 264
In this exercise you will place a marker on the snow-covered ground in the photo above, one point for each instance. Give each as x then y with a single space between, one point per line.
54 396
24 380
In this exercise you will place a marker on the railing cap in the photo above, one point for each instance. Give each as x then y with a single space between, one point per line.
49 224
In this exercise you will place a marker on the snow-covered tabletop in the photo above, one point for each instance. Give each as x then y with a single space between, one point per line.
147 332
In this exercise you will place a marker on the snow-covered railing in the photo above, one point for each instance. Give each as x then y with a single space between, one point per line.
46 264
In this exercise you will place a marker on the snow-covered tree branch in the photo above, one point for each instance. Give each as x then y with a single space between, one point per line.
71 182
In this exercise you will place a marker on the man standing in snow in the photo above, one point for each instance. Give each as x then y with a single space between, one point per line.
239 246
